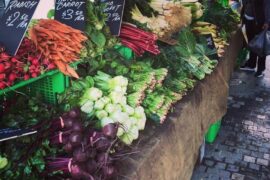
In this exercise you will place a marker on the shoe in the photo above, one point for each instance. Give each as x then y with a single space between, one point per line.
247 68
259 74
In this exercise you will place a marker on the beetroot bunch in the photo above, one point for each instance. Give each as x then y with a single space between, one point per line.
88 150
27 63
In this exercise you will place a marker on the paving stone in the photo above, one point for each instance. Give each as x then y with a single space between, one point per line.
232 168
202 168
259 99
263 150
253 128
241 103
220 165
237 176
236 106
249 159
250 123
266 156
262 129
261 116
230 143
263 162
224 174
254 166
252 148
267 135
209 163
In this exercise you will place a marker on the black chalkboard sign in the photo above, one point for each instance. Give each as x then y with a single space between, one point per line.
11 133
14 23
211 45
114 9
71 12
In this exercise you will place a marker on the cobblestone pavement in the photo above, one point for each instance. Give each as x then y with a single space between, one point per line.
242 148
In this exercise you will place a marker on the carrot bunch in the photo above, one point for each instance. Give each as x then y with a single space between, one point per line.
60 43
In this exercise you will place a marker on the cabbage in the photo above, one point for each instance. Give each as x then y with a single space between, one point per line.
101 114
141 122
134 132
139 112
120 131
127 124
119 116
128 109
126 138
87 107
118 81
109 108
106 121
133 120
105 99
123 100
116 97
117 107
92 94
99 104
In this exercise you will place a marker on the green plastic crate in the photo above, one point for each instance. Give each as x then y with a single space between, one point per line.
48 87
126 52
212 132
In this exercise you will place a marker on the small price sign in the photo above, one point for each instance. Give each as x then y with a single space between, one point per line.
14 23
211 45
114 10
71 12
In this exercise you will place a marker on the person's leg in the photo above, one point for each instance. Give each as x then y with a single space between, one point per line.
261 66
251 32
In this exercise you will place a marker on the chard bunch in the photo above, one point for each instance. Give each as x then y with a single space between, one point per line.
107 101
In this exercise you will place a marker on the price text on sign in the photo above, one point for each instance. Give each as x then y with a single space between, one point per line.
14 23
114 10
71 12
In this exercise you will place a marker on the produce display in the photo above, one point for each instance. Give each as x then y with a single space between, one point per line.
171 17
59 43
28 63
138 40
202 28
109 99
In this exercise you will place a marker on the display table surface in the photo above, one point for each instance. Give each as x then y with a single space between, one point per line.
170 151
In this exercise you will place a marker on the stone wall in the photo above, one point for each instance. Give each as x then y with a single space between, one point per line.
170 151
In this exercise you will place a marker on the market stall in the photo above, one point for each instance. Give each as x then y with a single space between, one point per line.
171 151
89 88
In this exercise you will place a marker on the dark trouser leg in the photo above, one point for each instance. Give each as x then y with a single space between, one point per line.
261 64
251 32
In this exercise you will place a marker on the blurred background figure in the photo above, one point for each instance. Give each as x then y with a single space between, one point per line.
255 15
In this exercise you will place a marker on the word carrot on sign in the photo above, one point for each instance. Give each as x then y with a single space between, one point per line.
14 23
